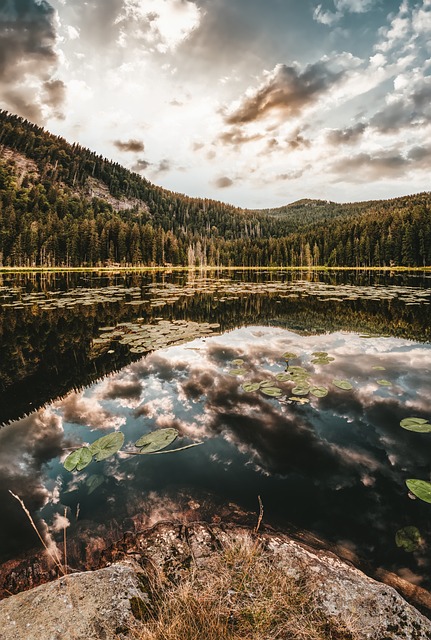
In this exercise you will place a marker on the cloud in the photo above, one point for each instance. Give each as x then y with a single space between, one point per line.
236 137
131 145
223 183
140 165
25 447
349 135
161 25
79 409
341 7
28 59
286 90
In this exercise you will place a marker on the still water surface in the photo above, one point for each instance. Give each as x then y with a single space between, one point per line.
83 356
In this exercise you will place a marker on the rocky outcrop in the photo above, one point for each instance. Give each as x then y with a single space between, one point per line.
108 603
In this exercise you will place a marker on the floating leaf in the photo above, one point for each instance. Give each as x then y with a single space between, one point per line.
319 392
250 386
156 440
301 391
78 459
266 383
377 367
289 355
408 538
384 383
283 377
237 362
93 482
237 372
420 488
343 384
420 425
274 392
320 354
107 445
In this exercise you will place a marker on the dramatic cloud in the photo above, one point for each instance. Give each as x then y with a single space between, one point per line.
79 409
286 90
28 59
131 145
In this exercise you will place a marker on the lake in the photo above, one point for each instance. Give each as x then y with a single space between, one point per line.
292 385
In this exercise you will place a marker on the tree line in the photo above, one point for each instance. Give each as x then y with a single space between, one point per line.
48 218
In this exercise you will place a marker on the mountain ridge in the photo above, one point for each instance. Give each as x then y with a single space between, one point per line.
101 213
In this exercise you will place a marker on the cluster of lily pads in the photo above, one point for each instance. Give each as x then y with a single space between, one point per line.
151 443
141 338
295 374
420 488
224 288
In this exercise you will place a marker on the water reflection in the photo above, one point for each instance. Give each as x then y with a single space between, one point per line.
50 323
336 466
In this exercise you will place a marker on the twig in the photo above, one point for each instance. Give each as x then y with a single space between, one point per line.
157 453
55 557
64 544
259 520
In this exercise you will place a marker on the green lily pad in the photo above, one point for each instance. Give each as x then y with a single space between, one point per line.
343 384
274 392
237 372
107 445
238 362
301 391
408 538
420 488
156 440
384 383
93 482
250 386
420 425
319 392
283 377
266 383
288 355
78 460
378 367
320 354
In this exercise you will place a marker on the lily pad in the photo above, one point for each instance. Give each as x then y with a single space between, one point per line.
250 386
288 355
283 377
78 460
238 362
301 391
408 538
378 367
274 392
343 384
420 488
107 445
156 440
320 354
319 392
384 383
237 372
266 383
420 425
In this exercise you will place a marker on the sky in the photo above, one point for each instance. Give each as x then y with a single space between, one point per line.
254 102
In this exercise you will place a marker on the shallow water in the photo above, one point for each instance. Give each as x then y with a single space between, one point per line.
335 465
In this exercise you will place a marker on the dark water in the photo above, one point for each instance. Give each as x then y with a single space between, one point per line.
75 349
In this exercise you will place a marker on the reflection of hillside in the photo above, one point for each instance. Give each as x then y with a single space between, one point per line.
44 354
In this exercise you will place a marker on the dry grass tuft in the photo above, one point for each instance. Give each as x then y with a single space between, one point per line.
239 594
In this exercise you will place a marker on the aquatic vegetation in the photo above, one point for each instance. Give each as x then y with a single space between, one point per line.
156 440
420 488
408 538
420 425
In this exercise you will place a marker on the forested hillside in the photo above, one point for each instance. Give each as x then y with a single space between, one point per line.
62 205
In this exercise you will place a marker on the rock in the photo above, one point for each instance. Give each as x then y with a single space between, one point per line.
111 601
92 605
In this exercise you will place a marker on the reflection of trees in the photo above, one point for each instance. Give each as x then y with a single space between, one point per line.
44 354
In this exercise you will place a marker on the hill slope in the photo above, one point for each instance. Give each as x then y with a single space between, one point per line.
63 205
